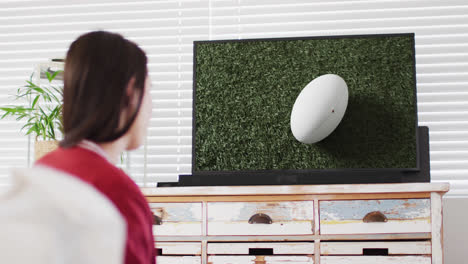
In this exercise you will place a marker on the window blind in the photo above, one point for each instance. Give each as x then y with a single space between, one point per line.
35 31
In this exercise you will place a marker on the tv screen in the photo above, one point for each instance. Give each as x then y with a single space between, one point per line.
244 92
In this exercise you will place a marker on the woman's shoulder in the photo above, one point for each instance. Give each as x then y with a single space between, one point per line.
88 166
64 208
71 157
98 172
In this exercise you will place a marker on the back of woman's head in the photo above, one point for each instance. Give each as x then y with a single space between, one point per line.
96 99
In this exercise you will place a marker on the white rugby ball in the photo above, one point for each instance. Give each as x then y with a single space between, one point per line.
319 108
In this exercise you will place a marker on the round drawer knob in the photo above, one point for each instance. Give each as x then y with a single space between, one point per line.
260 260
375 217
260 219
157 220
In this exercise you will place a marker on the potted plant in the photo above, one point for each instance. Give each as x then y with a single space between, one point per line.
42 111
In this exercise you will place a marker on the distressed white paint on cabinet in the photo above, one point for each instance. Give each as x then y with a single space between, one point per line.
260 259
394 248
402 216
375 260
178 260
284 248
178 219
288 218
244 201
437 229
179 248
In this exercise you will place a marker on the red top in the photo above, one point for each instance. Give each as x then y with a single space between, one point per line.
119 188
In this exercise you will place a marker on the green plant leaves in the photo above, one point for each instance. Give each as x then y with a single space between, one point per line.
51 77
35 101
43 111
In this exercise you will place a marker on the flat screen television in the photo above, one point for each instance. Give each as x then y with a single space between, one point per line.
244 91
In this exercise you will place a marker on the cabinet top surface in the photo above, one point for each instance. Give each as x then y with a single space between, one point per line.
297 189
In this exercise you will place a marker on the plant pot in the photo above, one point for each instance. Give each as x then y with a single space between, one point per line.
43 147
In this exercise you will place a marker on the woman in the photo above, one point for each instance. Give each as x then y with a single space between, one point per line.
106 110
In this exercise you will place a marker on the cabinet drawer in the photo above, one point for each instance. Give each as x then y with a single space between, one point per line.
177 219
283 248
178 248
260 259
261 218
375 260
375 216
376 248
178 260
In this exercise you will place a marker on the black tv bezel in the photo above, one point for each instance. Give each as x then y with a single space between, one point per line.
324 177
264 174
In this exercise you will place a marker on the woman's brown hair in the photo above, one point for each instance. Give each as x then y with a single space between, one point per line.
98 68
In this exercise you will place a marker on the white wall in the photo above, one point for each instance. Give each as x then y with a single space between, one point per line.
455 230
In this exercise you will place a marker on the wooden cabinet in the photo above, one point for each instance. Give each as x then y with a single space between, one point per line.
375 216
254 248
179 260
259 253
179 252
376 252
322 224
179 248
376 260
173 219
260 260
261 218
390 247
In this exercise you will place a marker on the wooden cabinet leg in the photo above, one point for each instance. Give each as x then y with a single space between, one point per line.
437 229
